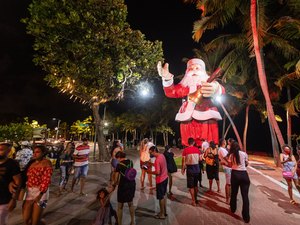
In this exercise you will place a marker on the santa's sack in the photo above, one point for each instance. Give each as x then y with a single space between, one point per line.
287 174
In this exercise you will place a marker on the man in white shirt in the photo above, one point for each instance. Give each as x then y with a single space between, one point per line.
227 170
81 164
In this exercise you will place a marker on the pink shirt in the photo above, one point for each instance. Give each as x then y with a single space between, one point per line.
160 166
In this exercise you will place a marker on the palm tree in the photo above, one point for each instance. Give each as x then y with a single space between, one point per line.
220 13
292 107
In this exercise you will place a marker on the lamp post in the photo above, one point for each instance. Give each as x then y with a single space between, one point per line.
57 128
219 99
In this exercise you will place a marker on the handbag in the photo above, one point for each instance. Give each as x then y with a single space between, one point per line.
287 174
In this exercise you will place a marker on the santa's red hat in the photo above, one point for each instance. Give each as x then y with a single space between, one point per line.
196 61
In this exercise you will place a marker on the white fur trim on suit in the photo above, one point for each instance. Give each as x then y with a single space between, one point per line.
167 83
190 113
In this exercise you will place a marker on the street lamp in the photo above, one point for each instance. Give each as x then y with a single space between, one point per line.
145 89
57 128
219 100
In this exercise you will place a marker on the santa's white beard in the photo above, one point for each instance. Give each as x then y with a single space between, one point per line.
192 79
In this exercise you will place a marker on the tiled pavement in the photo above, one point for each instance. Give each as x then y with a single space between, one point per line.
269 202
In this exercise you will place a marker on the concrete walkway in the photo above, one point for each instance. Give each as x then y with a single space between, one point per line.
269 202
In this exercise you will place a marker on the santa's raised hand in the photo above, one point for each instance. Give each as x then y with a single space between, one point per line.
163 71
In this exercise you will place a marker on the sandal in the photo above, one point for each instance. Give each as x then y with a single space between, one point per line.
293 202
159 217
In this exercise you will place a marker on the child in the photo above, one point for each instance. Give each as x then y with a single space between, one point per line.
106 210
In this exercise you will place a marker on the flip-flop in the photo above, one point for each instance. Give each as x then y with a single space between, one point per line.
293 202
159 217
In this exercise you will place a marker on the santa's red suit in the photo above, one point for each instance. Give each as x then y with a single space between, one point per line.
196 120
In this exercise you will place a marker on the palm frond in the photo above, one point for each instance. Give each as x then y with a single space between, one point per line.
286 79
293 106
288 27
288 50
294 6
200 26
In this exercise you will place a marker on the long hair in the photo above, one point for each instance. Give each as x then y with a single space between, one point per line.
234 150
114 145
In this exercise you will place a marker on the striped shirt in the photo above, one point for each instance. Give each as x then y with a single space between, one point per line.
81 155
192 157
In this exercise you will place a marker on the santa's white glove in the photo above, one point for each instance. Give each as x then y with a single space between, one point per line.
209 89
164 71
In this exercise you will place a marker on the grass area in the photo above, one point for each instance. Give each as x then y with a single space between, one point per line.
178 164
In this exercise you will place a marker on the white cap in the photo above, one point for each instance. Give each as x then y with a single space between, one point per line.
25 143
196 61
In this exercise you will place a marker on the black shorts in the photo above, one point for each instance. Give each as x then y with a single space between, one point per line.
161 189
192 179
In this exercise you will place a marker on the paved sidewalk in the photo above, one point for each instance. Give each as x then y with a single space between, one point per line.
269 202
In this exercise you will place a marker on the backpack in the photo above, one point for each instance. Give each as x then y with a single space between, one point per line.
171 165
209 159
130 172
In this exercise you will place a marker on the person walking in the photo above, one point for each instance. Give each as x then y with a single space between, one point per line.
289 165
81 164
126 187
24 155
38 174
65 167
298 165
212 165
161 173
238 161
190 165
144 161
113 161
223 152
9 173
171 165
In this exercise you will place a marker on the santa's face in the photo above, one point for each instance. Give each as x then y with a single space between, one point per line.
194 75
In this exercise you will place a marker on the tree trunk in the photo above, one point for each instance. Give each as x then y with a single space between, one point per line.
262 74
224 124
227 130
275 147
289 120
233 127
103 154
246 128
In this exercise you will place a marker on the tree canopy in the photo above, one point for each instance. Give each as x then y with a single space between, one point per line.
88 49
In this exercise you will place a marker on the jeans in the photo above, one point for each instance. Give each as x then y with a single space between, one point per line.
240 179
80 171
64 176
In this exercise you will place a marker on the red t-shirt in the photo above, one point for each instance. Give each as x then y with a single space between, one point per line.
160 166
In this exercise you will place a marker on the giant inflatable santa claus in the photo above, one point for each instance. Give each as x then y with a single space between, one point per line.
197 115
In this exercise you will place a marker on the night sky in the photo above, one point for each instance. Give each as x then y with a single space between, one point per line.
24 93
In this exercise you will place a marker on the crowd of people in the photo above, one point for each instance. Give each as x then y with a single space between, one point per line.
27 177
